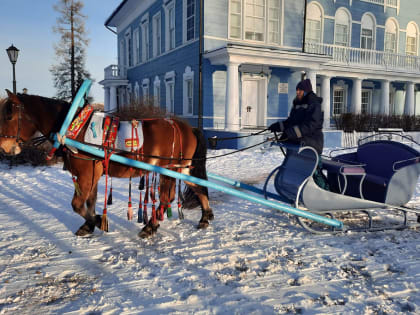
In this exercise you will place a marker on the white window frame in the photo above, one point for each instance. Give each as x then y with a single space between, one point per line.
397 31
369 102
349 24
321 22
136 91
136 46
157 34
145 40
188 78
372 17
156 92
170 6
170 91
416 37
242 16
128 52
185 21
340 86
122 53
145 89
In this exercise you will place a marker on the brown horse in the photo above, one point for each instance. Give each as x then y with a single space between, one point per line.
22 115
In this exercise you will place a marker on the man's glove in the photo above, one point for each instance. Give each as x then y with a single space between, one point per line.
276 127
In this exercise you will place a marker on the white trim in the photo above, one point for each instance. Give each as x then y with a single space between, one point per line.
137 91
157 43
128 19
187 76
261 110
417 37
369 105
169 5
184 21
136 46
340 85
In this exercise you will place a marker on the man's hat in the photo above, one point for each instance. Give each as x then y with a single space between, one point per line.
304 85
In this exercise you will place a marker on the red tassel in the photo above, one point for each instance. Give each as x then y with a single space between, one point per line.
109 201
161 214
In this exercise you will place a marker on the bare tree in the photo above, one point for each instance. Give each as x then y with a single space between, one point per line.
70 71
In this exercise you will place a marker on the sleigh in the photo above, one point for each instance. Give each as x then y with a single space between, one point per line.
377 176
350 176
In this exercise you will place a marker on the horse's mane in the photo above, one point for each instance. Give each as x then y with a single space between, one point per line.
142 110
45 100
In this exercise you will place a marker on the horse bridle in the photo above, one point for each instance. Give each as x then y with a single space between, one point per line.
18 138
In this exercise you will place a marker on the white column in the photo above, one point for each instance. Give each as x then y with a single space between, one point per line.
311 75
232 97
106 99
384 106
113 98
326 102
356 96
409 99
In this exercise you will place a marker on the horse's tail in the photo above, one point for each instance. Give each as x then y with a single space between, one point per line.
198 169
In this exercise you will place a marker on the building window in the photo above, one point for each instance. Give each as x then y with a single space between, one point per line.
338 101
235 18
136 46
156 92
128 49
411 41
366 97
391 31
274 13
157 35
189 20
188 91
367 39
256 20
145 89
170 91
314 23
122 53
145 39
342 28
137 92
170 25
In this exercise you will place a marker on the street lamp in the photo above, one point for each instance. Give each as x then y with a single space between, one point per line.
13 52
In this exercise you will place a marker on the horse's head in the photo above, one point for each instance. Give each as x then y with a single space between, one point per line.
15 125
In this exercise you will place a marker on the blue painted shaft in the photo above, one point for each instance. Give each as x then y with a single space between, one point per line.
77 102
238 184
152 168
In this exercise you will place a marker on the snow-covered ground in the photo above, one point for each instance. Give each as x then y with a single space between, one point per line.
251 260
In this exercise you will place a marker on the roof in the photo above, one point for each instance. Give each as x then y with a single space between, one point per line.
109 22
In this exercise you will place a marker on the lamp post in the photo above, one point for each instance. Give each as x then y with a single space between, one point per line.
13 52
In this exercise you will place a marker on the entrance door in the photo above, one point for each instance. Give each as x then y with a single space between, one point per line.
253 102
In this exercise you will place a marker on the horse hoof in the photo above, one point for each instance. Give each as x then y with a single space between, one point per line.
210 216
203 224
85 229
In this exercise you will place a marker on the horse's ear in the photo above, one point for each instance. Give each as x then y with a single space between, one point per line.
12 96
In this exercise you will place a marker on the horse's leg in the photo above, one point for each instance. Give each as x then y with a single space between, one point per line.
206 212
90 203
87 181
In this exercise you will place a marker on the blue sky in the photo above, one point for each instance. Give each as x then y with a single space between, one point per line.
28 25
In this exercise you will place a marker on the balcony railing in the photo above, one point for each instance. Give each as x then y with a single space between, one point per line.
365 57
115 72
388 3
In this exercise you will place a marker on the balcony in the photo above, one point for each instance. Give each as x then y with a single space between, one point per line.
387 3
357 57
115 72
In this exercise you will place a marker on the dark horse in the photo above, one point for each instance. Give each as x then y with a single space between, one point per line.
23 115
